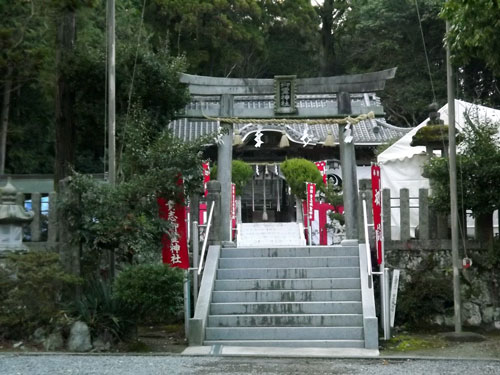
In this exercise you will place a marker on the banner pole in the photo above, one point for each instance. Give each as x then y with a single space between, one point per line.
187 312
196 261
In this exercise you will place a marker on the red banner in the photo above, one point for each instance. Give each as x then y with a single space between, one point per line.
206 176
377 210
322 169
174 244
311 197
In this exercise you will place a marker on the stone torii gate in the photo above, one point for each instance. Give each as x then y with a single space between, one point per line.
222 99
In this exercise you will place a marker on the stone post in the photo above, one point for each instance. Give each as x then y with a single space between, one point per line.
433 224
423 214
386 214
214 195
224 163
52 235
35 224
349 175
404 212
442 226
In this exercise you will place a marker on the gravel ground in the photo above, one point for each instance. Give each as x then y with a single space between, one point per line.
16 364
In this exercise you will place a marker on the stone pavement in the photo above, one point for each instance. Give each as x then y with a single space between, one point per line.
67 364
277 352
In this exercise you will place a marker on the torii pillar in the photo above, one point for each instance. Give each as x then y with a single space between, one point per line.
224 164
349 174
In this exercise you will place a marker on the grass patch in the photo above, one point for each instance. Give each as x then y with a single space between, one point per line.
137 346
405 343
174 328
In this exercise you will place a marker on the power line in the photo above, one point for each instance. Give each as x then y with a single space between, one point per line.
425 51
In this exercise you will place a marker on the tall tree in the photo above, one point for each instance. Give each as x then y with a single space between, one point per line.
474 38
239 38
475 31
146 80
478 168
65 122
385 33
65 94
332 14
20 56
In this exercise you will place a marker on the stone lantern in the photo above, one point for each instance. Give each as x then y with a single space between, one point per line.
12 218
434 135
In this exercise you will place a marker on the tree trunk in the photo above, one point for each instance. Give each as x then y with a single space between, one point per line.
327 49
65 97
5 118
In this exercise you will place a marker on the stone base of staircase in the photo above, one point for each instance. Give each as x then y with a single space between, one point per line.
279 352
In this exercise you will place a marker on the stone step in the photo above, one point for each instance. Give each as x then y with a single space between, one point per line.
289 262
284 333
288 273
337 307
277 234
289 284
271 252
258 240
291 343
281 320
287 295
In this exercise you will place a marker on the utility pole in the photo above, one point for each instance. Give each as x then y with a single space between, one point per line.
111 92
453 189
111 111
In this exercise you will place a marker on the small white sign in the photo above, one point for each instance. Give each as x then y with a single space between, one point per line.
394 295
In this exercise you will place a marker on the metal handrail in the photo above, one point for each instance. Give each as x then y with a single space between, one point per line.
205 240
367 242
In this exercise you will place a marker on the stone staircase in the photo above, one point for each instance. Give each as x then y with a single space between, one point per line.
287 297
270 234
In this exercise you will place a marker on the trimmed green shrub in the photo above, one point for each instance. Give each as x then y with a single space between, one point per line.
153 293
241 173
299 171
31 290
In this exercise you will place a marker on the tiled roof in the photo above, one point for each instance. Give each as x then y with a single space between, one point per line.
367 132
363 132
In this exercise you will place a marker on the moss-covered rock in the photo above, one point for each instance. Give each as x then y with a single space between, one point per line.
431 135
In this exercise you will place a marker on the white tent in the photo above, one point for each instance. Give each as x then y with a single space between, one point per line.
401 164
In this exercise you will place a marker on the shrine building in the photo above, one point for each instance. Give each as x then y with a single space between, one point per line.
265 134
